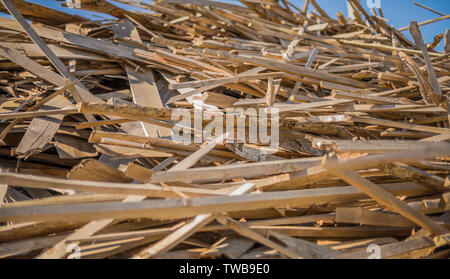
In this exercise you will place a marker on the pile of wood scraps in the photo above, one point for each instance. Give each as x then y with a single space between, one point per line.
132 137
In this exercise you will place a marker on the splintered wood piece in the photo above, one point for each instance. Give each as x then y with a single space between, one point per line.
218 100
248 170
69 147
42 129
416 34
138 172
149 190
427 91
408 172
94 170
32 66
130 111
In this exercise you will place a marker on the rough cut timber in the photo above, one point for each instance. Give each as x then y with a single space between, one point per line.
131 137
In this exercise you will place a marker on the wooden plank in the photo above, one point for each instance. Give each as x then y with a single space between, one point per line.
138 172
24 247
408 172
142 83
33 51
417 35
174 208
248 170
365 98
214 4
42 129
225 80
94 170
33 67
218 100
208 228
80 91
69 147
362 216
396 124
100 187
60 249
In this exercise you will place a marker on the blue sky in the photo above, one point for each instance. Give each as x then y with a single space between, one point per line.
398 12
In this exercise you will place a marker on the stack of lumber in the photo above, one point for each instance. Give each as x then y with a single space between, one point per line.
89 167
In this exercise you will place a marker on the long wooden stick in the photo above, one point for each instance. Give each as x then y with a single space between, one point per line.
177 208
148 190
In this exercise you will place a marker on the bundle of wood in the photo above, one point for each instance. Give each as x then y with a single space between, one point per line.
91 166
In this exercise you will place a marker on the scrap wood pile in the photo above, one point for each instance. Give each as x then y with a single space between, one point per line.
90 167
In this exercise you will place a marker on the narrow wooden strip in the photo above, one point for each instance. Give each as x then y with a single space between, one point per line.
426 22
248 170
149 190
